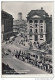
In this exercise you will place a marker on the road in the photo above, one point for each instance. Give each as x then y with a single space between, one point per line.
16 64
20 66
15 45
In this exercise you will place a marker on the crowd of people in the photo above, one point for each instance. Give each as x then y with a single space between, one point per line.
43 62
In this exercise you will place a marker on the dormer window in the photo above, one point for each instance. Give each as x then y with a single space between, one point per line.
30 21
36 21
41 21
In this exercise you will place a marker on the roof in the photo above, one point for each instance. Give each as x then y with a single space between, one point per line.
6 15
40 12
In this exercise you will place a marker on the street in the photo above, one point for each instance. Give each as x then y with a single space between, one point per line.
20 66
16 64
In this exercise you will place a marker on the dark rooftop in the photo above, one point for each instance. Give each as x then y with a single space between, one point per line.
5 14
40 12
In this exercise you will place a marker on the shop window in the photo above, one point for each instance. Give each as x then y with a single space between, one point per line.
30 33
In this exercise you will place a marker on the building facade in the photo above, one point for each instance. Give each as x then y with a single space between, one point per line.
49 29
37 25
20 24
6 25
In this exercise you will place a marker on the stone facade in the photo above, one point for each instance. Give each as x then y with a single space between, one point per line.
36 25
19 25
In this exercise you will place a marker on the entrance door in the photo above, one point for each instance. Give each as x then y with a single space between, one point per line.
36 37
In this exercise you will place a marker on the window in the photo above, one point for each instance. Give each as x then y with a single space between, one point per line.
30 35
36 25
41 21
41 36
35 21
30 21
41 30
36 56
36 37
41 26
30 30
33 55
36 30
30 26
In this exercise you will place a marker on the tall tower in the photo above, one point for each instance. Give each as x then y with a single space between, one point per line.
19 16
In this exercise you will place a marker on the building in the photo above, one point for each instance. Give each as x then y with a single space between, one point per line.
20 24
7 25
38 25
49 29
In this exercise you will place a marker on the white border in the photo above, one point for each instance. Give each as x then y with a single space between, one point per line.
53 38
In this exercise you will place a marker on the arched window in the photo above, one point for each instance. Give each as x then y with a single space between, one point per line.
30 21
30 30
36 21
41 21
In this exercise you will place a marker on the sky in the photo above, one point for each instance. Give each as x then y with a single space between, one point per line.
25 7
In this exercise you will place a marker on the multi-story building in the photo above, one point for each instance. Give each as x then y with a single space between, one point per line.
49 29
7 25
20 24
37 25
